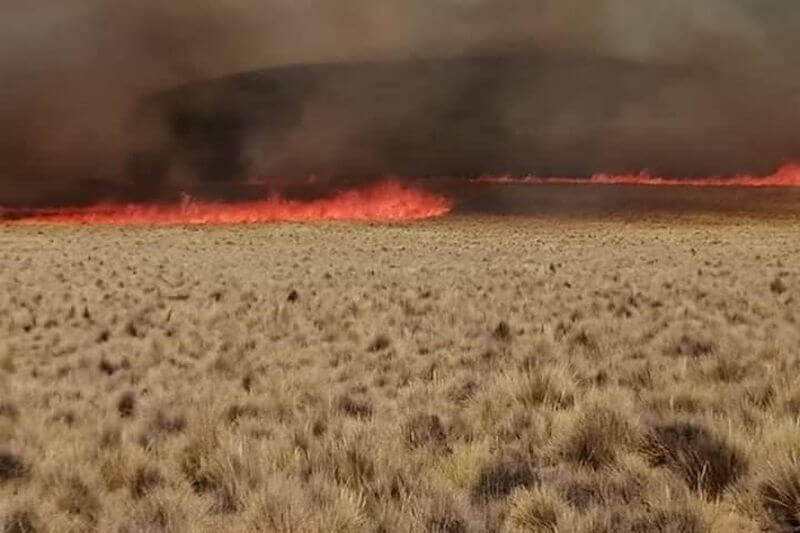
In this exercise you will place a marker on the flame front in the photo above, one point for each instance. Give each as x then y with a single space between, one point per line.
786 176
384 202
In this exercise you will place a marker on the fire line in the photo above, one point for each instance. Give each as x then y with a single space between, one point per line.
787 176
383 202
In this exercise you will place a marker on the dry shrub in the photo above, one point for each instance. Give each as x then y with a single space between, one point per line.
638 377
353 408
78 500
728 369
677 520
778 286
162 424
224 473
692 345
114 470
779 496
379 343
157 514
23 521
236 412
12 467
527 428
351 463
443 515
8 365
289 505
706 462
248 382
543 388
194 463
106 367
319 426
9 411
463 393
596 438
537 510
65 417
144 480
671 520
279 507
585 340
227 499
678 401
502 332
425 430
237 471
170 423
622 489
110 438
500 478
126 404
464 464
761 395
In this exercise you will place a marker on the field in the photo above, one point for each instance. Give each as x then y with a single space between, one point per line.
474 373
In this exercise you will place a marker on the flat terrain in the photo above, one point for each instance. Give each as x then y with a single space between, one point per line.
466 374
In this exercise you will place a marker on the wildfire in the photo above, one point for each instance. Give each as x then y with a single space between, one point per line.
385 201
786 176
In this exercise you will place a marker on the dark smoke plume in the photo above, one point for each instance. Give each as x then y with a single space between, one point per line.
567 87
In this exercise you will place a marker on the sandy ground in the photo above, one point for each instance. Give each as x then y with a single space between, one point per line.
466 374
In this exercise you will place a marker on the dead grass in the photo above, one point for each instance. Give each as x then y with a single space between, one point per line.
455 376
22 521
598 437
706 462
12 467
780 498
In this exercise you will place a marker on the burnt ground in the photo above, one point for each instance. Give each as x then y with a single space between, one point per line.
626 200
560 200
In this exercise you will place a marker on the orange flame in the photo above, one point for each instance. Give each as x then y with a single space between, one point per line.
786 176
386 201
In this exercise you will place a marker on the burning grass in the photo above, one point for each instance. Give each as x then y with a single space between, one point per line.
786 176
455 375
385 201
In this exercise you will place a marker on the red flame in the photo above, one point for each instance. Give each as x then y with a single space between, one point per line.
386 201
786 176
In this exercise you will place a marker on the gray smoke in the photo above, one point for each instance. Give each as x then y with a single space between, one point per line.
72 72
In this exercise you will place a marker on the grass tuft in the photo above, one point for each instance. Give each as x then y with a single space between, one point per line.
126 404
535 510
779 495
354 408
78 500
425 430
501 477
12 467
144 480
502 332
597 438
22 521
706 462
379 343
9 411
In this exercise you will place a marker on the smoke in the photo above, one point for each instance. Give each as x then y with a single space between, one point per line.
73 72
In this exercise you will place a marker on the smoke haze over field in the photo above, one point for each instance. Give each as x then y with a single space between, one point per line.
71 72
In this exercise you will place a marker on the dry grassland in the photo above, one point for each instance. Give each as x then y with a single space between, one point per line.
466 374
